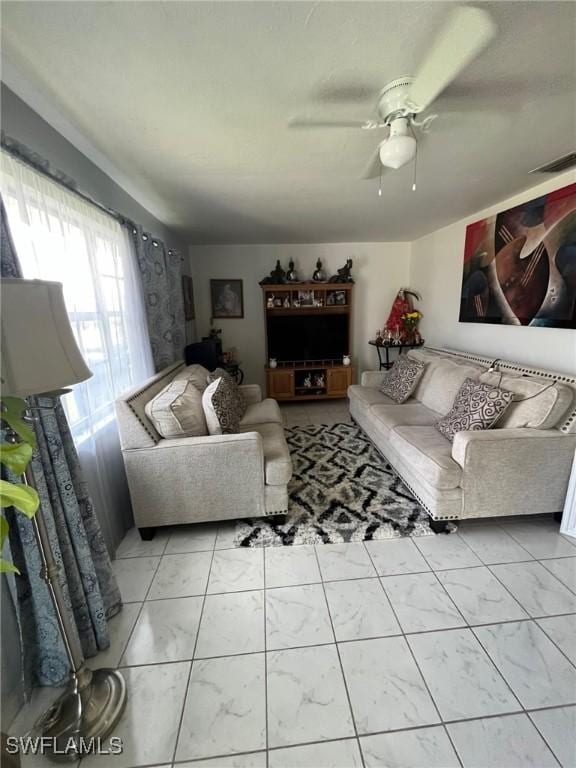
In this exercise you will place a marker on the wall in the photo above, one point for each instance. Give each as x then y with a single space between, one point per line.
379 270
21 122
436 271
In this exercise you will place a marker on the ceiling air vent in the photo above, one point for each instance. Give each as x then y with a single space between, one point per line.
560 164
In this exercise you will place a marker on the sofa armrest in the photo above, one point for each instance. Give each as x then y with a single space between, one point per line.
241 441
513 471
252 393
222 473
373 378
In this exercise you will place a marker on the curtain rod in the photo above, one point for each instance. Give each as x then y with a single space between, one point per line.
28 157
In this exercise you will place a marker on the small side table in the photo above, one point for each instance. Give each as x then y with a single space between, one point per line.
386 364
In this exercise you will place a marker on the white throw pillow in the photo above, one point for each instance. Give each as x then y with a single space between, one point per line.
196 373
176 411
212 423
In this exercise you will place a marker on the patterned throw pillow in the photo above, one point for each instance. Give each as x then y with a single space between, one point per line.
224 406
402 378
220 373
476 406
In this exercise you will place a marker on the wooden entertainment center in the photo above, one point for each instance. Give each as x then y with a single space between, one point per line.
287 381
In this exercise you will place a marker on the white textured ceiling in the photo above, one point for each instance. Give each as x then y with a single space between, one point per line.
193 99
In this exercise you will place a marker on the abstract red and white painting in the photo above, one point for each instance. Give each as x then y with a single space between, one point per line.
520 265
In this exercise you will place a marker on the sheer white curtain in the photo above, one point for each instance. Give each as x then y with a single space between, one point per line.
58 236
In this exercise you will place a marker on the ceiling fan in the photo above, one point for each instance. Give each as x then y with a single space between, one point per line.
466 33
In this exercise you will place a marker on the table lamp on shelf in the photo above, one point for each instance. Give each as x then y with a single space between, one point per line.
40 357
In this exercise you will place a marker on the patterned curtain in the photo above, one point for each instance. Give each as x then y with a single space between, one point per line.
161 272
86 575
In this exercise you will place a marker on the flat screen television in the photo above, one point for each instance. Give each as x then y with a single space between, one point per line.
308 337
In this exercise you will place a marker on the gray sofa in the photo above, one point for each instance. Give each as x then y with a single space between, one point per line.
519 467
211 477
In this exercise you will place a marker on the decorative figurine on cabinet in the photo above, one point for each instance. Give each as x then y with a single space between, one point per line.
287 302
308 381
319 381
276 277
344 274
319 275
270 302
292 275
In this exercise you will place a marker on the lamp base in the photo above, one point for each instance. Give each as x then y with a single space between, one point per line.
89 709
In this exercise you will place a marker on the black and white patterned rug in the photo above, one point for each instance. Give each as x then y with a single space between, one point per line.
341 490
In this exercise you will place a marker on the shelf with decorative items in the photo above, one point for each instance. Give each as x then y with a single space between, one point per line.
309 297
309 330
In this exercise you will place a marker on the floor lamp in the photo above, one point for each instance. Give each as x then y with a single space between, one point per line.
40 357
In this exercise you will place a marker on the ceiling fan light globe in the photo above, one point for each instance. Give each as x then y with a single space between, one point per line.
397 151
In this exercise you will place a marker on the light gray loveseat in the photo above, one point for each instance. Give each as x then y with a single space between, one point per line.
519 467
212 477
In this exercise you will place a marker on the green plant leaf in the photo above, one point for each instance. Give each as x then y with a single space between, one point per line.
15 456
14 406
22 497
3 530
13 409
23 430
7 567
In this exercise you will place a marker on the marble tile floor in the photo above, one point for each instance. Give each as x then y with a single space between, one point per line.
414 653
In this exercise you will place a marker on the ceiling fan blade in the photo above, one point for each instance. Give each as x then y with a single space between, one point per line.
467 32
374 167
305 123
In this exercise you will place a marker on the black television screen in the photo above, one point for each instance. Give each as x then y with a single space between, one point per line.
308 337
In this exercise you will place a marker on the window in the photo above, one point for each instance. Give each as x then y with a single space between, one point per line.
58 236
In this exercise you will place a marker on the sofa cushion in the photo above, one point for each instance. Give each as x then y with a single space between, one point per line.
277 461
387 417
176 411
430 360
368 396
196 373
477 407
440 384
224 406
429 454
264 412
400 382
537 403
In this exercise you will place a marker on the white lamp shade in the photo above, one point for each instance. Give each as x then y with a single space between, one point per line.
397 150
39 351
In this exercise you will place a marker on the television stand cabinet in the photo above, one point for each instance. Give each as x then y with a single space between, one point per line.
287 381
309 331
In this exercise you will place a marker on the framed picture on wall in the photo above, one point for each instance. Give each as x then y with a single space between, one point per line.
520 264
188 293
227 298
